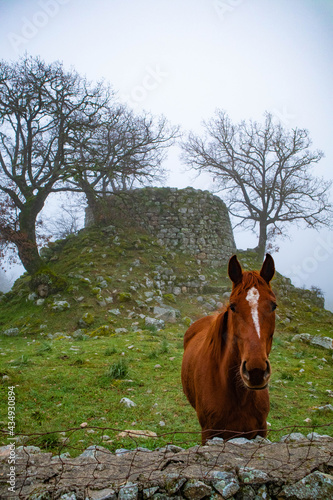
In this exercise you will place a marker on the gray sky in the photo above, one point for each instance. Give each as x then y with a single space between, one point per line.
185 58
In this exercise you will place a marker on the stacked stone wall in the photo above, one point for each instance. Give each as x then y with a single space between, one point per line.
187 219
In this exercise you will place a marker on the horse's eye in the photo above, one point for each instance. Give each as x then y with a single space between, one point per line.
233 307
274 306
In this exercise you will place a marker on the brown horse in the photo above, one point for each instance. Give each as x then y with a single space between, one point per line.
225 370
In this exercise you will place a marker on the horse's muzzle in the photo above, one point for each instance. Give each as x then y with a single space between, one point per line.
256 378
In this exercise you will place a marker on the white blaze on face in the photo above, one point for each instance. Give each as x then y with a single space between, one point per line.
253 299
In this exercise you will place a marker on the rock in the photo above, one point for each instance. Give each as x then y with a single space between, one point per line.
124 297
129 492
121 330
214 441
172 448
158 323
60 305
239 441
195 490
122 451
249 493
328 407
11 332
5 452
28 450
92 451
167 314
149 492
314 436
101 331
127 402
62 456
325 342
67 496
135 433
102 281
260 439
262 493
80 334
293 437
43 290
173 483
225 483
317 485
114 312
252 476
105 437
105 494
86 320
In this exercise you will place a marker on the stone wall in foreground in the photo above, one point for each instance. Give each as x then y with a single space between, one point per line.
296 468
187 219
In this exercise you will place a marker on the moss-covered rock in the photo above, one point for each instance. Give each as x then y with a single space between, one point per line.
101 331
124 297
86 320
47 280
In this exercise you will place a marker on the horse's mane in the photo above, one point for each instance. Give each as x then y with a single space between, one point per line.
216 336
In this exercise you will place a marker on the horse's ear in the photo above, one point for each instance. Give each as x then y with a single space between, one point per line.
268 269
234 270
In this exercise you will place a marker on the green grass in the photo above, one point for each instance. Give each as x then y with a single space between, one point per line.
118 370
55 393
64 381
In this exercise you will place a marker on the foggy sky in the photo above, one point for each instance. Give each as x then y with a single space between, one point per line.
184 59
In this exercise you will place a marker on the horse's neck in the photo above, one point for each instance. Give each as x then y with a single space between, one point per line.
226 360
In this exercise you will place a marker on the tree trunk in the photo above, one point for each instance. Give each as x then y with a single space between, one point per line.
261 248
25 239
95 204
28 253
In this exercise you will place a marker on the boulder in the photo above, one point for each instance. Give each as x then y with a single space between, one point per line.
166 313
325 342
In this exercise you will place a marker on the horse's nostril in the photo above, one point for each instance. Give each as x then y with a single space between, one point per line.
246 374
267 373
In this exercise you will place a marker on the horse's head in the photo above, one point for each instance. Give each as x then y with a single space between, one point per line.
252 320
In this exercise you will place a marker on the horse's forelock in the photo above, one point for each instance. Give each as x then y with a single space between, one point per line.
250 279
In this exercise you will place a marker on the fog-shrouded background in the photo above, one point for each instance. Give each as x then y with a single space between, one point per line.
184 59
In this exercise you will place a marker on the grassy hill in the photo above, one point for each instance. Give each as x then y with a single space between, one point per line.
74 355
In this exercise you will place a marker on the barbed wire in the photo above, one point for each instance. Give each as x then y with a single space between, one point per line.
95 467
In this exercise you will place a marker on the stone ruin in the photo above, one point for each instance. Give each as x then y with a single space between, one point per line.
186 219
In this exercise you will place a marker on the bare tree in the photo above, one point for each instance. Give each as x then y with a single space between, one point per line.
264 171
123 151
42 108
